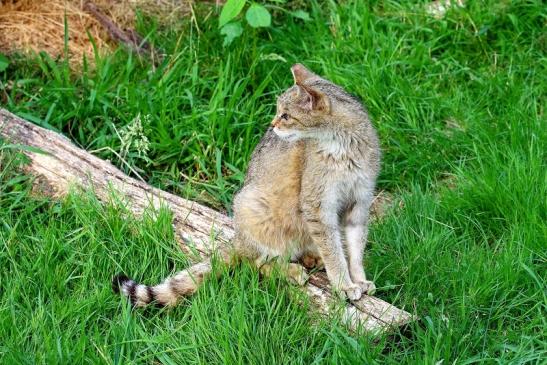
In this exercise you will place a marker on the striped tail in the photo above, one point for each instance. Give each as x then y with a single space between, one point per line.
168 293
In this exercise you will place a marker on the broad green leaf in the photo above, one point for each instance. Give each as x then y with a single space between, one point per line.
301 14
231 31
230 10
258 16
4 62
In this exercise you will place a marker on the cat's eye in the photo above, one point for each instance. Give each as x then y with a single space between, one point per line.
284 116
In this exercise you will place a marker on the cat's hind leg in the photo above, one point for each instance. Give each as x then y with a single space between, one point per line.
267 260
295 273
311 258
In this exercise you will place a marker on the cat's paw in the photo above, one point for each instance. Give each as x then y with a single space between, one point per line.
352 292
367 287
312 262
297 274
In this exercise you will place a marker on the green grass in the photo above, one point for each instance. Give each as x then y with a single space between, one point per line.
459 104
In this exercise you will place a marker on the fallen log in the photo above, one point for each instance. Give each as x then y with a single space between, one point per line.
198 229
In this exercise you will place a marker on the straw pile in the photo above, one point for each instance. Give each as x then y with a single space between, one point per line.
38 25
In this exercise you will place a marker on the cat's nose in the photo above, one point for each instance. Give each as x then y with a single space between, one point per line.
275 122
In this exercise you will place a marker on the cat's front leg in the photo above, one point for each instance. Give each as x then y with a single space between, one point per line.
356 229
326 236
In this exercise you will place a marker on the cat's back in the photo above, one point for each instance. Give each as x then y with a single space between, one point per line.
275 159
269 201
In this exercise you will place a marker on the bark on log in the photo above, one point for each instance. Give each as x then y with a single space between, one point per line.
197 228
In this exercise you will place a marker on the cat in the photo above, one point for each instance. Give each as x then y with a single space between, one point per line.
306 195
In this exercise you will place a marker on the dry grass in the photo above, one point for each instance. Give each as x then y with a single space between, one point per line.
36 25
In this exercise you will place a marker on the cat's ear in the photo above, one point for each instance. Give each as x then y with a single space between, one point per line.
301 74
312 99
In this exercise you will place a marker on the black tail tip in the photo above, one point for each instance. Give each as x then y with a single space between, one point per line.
118 281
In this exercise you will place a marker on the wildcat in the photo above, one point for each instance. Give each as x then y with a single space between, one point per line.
306 195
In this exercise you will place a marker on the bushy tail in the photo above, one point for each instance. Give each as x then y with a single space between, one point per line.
182 284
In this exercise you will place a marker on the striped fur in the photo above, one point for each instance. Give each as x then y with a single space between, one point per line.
169 292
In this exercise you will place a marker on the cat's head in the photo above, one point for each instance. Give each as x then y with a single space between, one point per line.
313 107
